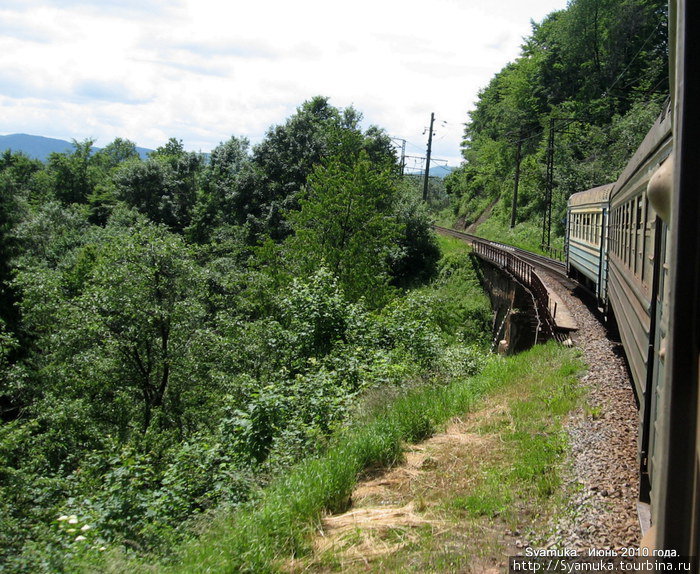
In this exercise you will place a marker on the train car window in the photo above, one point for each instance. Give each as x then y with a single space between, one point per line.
625 232
648 257
640 211
633 233
628 233
639 239
613 231
578 225
594 227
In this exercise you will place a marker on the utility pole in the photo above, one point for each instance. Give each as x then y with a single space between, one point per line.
549 187
402 164
427 159
517 180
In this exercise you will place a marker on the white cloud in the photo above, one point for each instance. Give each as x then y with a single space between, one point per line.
202 70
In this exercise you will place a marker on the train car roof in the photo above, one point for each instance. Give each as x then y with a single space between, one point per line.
600 194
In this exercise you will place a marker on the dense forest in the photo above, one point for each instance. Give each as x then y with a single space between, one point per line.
597 73
177 331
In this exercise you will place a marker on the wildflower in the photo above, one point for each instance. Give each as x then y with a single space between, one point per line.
62 518
72 519
80 538
86 527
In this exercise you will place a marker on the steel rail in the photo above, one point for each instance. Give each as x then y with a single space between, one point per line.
535 259
520 264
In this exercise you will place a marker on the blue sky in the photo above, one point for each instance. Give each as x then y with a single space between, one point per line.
203 70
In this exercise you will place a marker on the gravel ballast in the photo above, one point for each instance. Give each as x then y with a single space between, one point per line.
602 470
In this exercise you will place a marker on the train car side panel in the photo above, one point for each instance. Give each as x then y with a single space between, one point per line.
587 216
635 275
631 311
677 515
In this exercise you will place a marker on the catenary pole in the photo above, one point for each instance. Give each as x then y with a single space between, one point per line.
517 180
427 159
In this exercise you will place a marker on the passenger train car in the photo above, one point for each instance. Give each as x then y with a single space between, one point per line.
636 245
616 240
587 238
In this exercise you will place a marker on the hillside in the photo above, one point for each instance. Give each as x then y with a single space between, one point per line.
581 96
40 147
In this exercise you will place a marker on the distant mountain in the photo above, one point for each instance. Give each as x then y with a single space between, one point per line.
39 147
36 147
441 171
437 171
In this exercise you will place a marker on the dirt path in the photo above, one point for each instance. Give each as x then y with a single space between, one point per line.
424 515
483 217
413 517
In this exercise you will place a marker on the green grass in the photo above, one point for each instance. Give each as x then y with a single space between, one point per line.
503 486
451 246
261 537
526 235
542 393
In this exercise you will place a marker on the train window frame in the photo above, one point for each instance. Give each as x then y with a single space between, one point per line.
639 239
634 203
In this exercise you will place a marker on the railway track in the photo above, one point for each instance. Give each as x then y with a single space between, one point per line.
603 447
554 266
554 318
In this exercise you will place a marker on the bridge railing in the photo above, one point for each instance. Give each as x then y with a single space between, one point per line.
523 272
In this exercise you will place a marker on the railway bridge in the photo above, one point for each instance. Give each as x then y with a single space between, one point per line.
528 274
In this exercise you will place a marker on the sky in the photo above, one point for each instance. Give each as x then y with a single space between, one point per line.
202 71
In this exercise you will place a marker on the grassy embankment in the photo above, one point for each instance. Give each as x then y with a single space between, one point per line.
263 537
475 492
526 234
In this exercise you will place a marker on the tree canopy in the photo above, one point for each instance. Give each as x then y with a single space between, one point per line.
176 329
598 70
